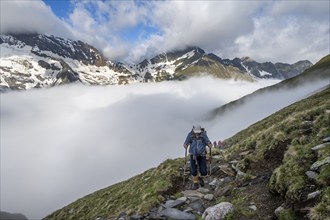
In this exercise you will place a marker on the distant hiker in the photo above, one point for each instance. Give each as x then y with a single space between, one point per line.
198 140
221 145
215 144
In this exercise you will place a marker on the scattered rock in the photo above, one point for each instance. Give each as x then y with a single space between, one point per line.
227 170
209 197
173 203
203 190
311 175
315 166
228 179
278 211
188 209
218 211
327 139
223 191
313 195
320 146
238 171
192 193
197 206
177 214
233 162
253 207
214 182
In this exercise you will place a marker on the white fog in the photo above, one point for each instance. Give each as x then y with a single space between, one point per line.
63 143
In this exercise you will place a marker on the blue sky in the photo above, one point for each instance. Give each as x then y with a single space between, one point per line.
61 8
130 31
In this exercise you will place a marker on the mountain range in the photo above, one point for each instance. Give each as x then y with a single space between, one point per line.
36 60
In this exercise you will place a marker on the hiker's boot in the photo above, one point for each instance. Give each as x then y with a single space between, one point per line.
195 182
201 181
194 186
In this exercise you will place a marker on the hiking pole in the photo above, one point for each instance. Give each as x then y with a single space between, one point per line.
184 167
210 163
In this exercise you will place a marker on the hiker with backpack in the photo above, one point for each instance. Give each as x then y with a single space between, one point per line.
197 139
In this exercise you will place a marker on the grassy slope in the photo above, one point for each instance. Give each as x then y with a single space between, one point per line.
136 195
282 143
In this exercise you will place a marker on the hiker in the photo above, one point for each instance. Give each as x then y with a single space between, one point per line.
215 144
220 145
198 140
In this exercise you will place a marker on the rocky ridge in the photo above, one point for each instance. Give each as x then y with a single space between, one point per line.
34 60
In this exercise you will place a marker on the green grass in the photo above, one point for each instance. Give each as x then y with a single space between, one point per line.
282 136
134 196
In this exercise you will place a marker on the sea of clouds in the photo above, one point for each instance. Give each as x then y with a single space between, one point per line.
63 143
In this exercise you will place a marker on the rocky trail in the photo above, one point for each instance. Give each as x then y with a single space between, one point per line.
228 190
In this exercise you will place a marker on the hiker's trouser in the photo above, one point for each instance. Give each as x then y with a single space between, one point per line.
201 161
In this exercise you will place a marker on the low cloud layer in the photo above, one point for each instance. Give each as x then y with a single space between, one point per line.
129 31
63 143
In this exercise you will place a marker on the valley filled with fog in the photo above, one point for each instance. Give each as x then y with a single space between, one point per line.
63 143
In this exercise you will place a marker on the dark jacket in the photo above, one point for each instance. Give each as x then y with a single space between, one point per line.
197 143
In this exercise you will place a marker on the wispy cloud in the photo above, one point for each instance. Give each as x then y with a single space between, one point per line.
132 30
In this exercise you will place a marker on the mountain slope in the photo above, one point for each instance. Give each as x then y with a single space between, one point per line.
33 61
320 72
289 134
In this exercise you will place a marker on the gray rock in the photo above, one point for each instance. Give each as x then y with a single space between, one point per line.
320 146
313 195
177 214
311 175
173 203
228 179
278 211
214 182
218 211
253 207
209 197
227 170
197 206
188 209
203 190
327 139
315 166
192 193
238 171
233 162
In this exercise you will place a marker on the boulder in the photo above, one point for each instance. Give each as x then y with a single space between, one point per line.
218 211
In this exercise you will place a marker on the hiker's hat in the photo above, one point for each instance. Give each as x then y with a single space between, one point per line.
197 128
